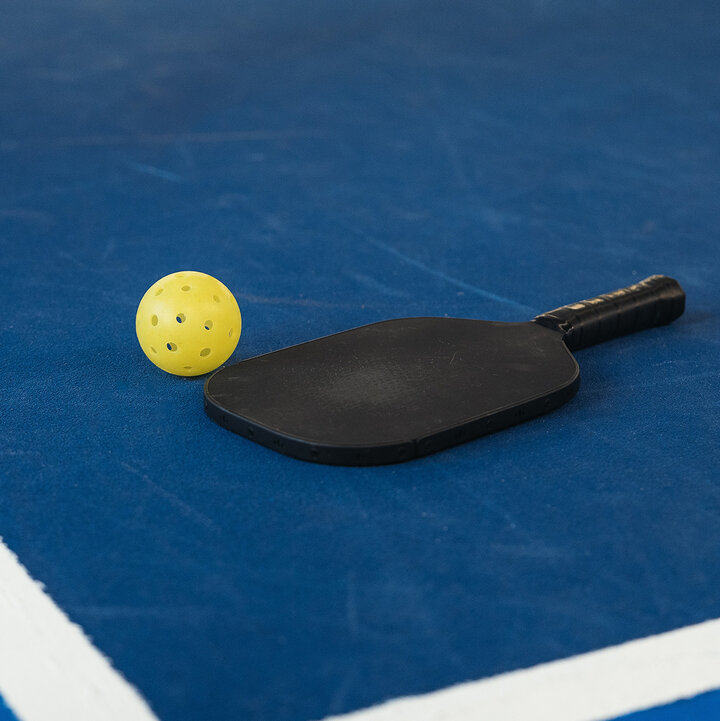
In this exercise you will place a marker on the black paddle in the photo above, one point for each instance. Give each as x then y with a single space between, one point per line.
398 389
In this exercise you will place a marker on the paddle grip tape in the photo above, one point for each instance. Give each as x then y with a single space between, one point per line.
657 300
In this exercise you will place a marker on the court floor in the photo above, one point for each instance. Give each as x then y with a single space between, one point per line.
336 164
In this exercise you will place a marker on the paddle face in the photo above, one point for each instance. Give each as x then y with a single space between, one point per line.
394 390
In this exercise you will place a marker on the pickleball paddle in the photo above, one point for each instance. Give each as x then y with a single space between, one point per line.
399 389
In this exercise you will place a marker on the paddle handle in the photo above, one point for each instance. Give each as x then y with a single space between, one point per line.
657 300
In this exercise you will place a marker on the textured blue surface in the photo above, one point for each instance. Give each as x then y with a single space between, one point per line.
339 163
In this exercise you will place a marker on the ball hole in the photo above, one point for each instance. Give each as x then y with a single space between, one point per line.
205 352
187 368
216 298
158 291
186 288
208 324
230 332
153 350
180 317
171 347
154 320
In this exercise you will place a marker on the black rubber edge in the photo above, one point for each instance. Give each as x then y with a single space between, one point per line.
306 450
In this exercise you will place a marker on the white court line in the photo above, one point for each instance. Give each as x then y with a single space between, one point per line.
49 670
594 686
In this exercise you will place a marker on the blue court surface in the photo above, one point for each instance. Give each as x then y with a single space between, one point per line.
5 713
335 164
700 708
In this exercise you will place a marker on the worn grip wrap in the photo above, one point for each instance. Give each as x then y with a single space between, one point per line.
657 300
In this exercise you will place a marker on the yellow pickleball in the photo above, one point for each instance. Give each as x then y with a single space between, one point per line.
188 323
